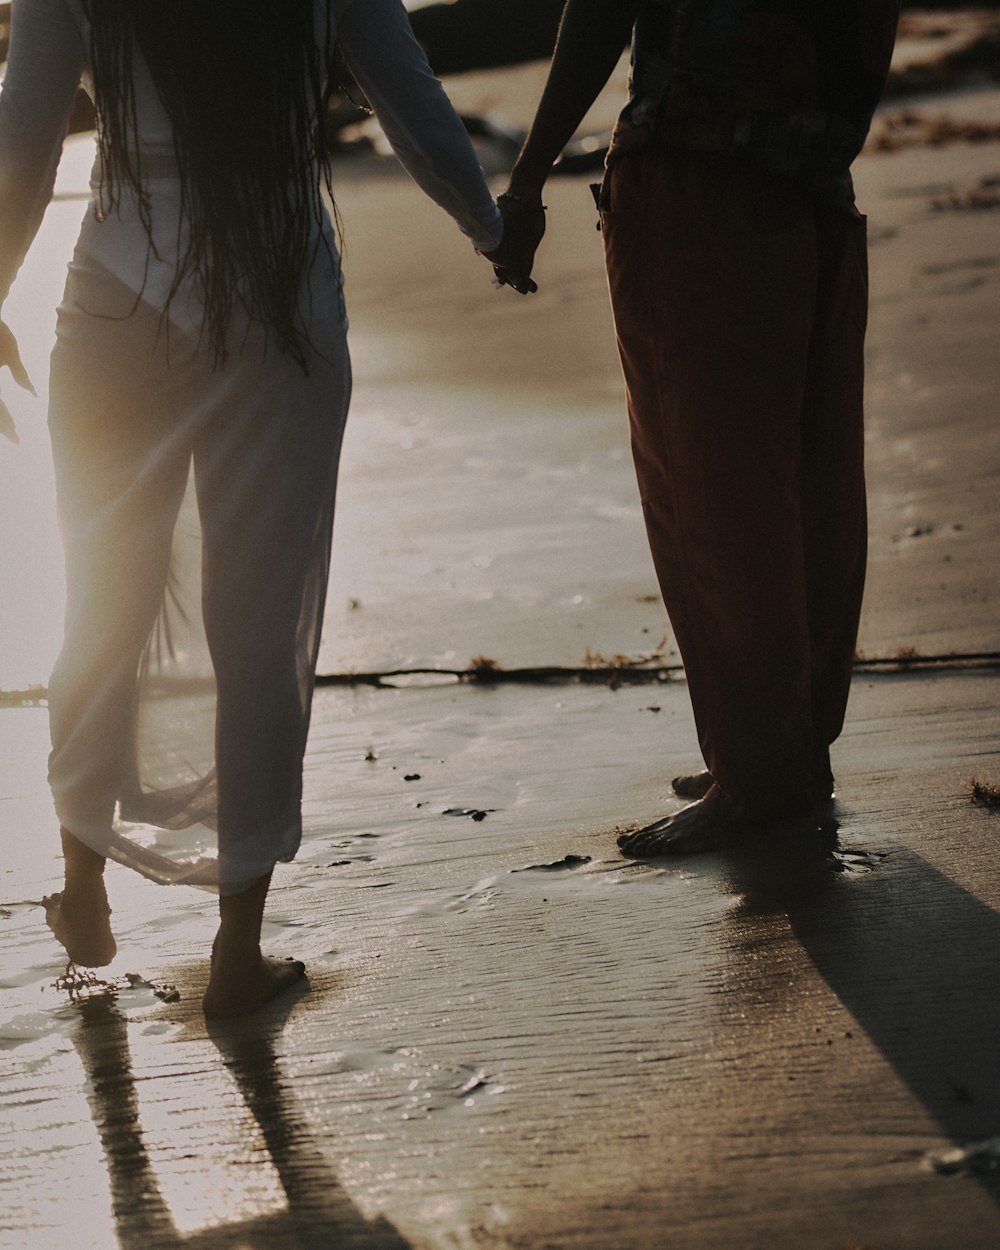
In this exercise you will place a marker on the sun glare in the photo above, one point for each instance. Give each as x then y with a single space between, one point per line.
31 575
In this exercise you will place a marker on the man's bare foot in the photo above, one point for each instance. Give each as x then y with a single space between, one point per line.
693 785
708 825
238 991
697 785
81 924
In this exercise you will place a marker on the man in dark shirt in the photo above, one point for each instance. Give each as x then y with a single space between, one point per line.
738 273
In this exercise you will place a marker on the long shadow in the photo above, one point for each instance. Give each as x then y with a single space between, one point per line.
319 1215
913 958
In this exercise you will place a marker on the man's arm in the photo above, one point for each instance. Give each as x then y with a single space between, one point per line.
592 35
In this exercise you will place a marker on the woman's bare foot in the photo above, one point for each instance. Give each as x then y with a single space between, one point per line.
81 924
238 992
241 978
79 915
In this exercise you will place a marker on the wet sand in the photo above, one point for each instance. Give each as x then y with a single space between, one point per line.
512 1038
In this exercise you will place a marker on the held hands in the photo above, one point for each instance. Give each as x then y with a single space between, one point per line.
523 228
11 357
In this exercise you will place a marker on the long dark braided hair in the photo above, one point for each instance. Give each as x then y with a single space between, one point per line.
245 85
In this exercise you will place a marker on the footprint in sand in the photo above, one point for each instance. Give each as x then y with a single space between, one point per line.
568 863
854 861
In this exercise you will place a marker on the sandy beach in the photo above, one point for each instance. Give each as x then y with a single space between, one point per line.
511 1038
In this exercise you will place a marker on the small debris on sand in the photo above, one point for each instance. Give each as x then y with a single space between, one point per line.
971 58
985 195
909 128
984 793
971 1160
483 670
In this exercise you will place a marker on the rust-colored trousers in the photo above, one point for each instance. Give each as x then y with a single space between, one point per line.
740 308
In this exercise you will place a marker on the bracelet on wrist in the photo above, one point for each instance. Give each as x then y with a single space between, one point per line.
512 197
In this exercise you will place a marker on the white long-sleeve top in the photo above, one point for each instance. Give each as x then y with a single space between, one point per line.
48 59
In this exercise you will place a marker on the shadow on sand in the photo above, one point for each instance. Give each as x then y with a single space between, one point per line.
911 955
318 1214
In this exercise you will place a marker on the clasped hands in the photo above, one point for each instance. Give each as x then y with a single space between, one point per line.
11 357
523 228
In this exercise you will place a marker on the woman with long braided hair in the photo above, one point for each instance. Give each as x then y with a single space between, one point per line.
199 388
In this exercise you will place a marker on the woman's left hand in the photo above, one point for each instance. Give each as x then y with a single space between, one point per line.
11 357
514 256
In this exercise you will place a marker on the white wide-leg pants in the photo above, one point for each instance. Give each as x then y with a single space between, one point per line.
196 506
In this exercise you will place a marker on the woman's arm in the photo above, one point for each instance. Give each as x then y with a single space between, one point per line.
11 357
44 66
416 115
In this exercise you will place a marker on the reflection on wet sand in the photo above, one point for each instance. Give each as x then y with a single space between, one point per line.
274 1191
